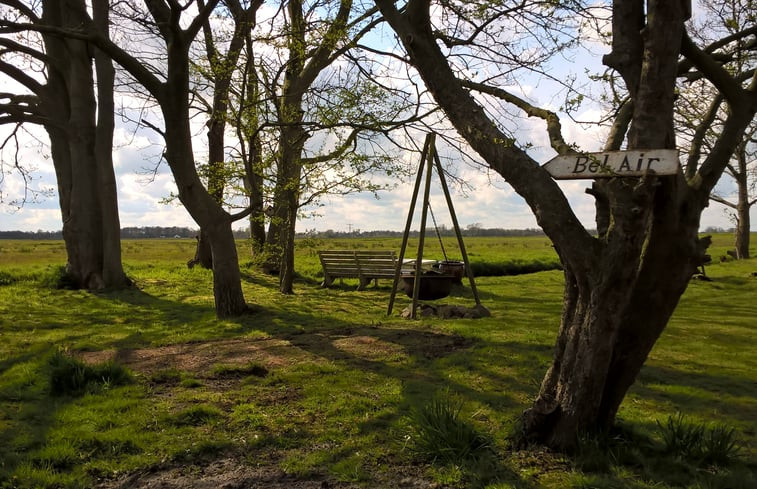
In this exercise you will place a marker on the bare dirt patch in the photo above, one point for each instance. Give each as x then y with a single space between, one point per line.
371 344
201 357
231 474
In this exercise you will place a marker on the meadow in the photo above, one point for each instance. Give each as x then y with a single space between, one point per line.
323 389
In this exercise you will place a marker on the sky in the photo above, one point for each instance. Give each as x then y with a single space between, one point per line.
487 202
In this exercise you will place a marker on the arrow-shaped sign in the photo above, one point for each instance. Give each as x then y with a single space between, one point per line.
614 164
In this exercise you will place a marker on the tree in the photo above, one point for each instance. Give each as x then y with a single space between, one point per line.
743 171
219 72
700 110
166 79
622 285
315 111
172 95
79 124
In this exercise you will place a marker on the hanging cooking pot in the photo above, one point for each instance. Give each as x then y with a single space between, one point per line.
434 285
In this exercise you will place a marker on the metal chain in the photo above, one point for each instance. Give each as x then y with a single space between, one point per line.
436 228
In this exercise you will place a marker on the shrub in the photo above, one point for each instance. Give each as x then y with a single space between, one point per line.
680 436
720 446
498 269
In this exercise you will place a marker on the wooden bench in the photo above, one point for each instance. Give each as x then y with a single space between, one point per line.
360 264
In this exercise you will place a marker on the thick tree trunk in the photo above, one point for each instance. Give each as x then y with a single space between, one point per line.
81 148
257 221
286 273
254 185
213 220
673 246
86 264
609 345
613 324
291 144
743 223
203 252
216 170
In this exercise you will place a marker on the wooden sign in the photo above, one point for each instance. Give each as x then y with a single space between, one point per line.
613 164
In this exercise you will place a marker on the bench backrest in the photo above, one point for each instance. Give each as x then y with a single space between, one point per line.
358 262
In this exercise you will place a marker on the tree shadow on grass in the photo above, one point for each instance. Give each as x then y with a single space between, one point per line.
420 376
154 318
700 392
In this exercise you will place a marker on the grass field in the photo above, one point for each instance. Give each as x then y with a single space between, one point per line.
322 386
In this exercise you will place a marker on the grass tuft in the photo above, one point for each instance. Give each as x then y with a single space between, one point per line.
253 369
203 450
197 416
58 278
438 434
69 376
6 278
707 444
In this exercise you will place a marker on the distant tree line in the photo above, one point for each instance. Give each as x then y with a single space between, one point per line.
126 233
149 232
430 232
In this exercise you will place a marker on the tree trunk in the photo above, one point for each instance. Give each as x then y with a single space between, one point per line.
743 221
227 280
112 267
87 260
80 147
286 273
288 196
203 252
201 205
623 302
612 318
253 183
271 250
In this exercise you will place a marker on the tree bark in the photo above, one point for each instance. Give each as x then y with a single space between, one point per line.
654 223
227 279
288 194
254 185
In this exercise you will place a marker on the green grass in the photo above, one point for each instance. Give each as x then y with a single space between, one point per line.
323 384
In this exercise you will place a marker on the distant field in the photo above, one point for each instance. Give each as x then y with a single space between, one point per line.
323 385
505 251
